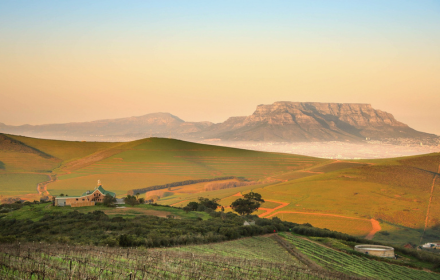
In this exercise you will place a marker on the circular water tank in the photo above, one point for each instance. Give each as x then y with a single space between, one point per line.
376 250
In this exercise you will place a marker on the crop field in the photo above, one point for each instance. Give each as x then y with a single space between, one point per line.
57 261
20 183
354 264
252 248
355 227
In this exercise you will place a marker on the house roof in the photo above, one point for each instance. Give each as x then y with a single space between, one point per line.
101 189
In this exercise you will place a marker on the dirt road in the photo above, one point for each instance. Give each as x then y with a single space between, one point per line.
429 203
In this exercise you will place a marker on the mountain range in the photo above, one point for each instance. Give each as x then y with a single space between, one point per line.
278 122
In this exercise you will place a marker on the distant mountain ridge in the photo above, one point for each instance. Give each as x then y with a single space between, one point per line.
279 122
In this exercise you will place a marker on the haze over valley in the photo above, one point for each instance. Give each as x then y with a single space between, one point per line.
328 130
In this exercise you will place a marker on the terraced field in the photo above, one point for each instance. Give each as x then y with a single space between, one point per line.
356 265
253 248
35 261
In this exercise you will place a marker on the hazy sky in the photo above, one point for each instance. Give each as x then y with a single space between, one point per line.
64 61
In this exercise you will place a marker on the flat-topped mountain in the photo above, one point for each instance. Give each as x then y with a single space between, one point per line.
311 121
281 121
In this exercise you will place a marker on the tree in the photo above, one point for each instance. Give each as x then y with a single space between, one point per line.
254 197
109 200
209 203
192 206
131 200
247 205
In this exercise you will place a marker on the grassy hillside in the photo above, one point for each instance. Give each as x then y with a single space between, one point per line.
387 200
393 200
138 164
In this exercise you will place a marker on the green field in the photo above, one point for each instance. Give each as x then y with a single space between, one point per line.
139 164
23 183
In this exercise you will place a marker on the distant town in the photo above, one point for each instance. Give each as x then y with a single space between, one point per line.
370 149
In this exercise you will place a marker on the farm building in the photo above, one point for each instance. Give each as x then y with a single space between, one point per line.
86 199
431 246
376 250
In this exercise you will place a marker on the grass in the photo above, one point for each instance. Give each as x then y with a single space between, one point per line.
20 183
335 166
64 150
389 190
353 227
35 212
26 162
174 160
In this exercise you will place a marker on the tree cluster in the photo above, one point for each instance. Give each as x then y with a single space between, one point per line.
134 200
202 205
248 204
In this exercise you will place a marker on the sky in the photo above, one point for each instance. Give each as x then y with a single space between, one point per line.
71 61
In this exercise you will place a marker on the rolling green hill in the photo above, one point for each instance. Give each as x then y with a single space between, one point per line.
138 164
392 200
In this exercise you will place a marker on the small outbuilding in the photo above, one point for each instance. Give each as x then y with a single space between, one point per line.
376 250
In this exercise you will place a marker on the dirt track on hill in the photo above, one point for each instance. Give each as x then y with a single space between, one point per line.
429 203
376 228
269 210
